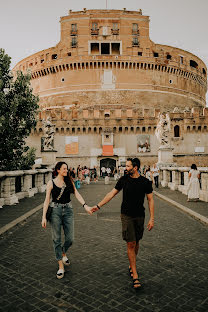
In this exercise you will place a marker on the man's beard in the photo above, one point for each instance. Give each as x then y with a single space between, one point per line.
130 172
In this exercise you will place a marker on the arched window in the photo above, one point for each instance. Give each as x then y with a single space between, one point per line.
176 131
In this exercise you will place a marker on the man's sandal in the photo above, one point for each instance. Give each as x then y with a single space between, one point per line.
136 283
130 272
60 273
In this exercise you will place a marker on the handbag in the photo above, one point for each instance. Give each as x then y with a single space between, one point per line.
50 207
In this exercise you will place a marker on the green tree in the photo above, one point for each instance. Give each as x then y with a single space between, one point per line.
18 111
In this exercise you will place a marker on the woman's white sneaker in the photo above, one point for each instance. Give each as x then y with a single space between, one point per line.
60 273
65 260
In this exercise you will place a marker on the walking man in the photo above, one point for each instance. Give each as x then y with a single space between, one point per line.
134 188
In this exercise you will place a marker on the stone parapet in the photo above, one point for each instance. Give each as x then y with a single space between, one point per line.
15 185
176 178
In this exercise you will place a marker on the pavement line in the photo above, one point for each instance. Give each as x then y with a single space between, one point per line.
192 213
10 225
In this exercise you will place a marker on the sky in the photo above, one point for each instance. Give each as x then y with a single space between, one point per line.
28 26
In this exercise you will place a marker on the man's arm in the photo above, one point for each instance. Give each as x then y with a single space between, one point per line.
108 197
151 211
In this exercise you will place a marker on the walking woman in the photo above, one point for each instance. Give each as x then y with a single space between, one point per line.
61 189
193 186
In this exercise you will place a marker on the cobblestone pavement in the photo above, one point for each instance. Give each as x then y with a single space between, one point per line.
172 263
200 207
12 212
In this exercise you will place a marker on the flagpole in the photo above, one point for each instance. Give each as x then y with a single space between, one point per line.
106 4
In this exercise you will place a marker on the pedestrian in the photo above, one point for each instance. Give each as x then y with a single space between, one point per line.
108 170
149 175
155 173
193 186
134 188
61 189
103 170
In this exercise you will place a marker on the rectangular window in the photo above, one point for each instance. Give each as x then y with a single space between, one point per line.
94 26
139 53
74 42
181 59
95 48
105 48
115 48
135 27
115 26
74 27
135 41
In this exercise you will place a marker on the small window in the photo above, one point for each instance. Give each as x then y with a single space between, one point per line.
155 54
42 60
74 27
94 26
204 71
62 79
169 57
94 48
170 81
115 26
107 115
135 27
115 48
54 56
69 53
74 42
176 131
181 59
139 53
135 41
105 48
193 64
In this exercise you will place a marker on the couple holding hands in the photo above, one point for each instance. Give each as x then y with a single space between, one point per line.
134 187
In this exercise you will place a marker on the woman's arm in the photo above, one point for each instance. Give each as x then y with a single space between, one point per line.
82 201
46 202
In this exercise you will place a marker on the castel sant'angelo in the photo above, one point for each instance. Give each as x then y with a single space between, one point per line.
104 84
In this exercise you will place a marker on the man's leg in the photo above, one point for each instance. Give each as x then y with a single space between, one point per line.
131 250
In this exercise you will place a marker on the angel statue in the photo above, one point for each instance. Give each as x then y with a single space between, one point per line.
162 131
49 130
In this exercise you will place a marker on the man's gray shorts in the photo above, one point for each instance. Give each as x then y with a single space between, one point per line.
132 228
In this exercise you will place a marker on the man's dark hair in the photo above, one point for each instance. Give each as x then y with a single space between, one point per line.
135 162
193 166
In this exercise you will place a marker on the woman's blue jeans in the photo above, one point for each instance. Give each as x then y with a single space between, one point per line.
62 215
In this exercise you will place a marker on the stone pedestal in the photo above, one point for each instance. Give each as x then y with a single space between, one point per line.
165 156
48 158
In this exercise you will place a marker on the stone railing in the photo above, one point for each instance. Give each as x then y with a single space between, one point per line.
15 185
176 178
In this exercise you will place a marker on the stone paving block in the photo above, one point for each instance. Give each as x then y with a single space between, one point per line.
172 263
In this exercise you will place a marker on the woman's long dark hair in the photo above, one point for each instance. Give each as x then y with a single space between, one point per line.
193 166
67 179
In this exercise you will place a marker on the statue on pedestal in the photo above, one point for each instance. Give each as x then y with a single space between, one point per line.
49 130
162 131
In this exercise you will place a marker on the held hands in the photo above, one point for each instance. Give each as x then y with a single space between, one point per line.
90 210
150 224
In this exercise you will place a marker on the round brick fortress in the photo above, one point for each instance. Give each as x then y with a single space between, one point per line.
106 74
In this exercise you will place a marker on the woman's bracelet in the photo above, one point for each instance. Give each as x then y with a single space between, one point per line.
84 205
98 206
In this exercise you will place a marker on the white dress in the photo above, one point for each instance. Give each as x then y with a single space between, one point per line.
193 186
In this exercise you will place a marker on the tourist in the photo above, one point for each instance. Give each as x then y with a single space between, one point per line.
148 175
61 189
134 188
108 170
193 186
155 173
103 170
